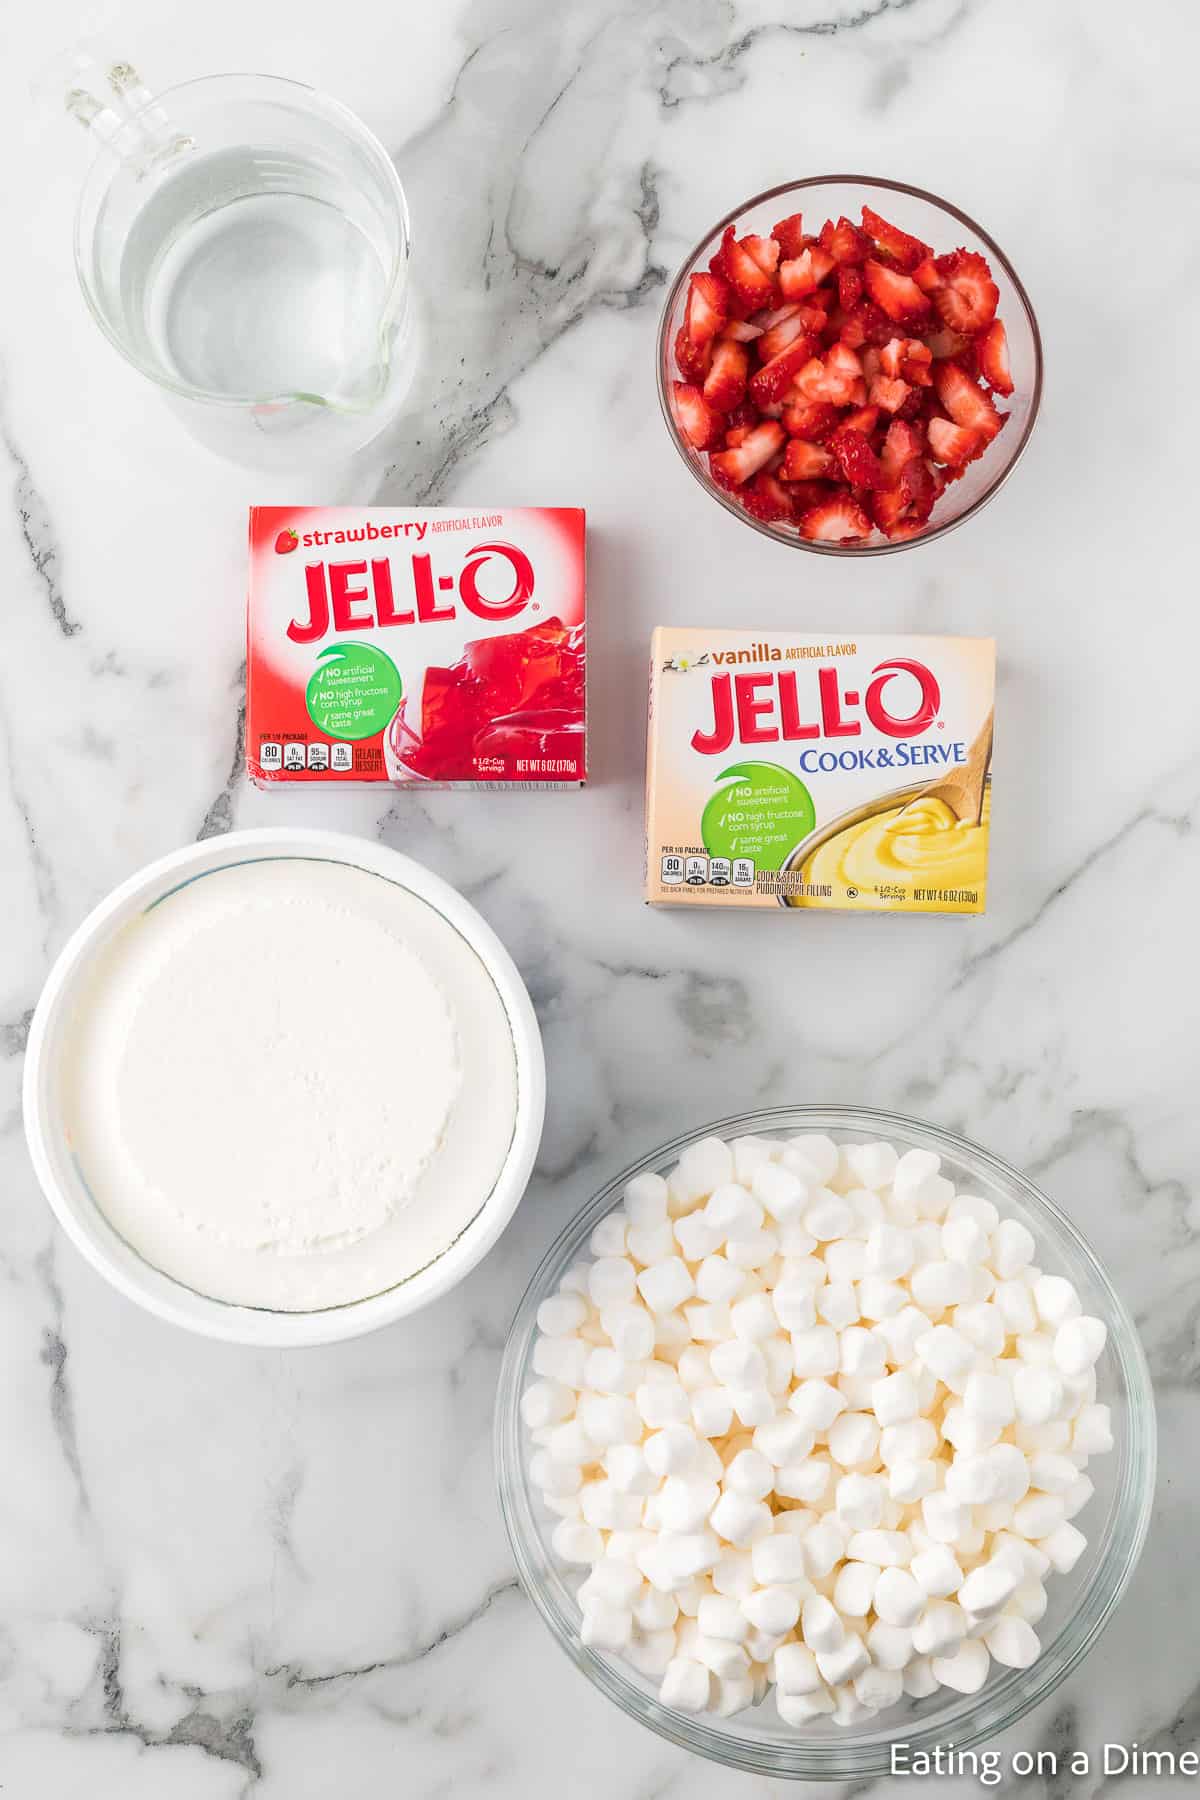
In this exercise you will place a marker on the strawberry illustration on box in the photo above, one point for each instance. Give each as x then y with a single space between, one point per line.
417 646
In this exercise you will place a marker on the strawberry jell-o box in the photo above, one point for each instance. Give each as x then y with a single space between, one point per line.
416 645
798 772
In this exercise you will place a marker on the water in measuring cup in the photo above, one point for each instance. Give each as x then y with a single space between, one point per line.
245 275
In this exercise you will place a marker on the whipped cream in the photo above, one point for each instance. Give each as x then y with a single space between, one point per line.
291 1084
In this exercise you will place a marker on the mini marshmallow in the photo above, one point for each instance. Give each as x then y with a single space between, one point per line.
854 1589
1037 1394
989 1395
718 1280
696 1237
1052 1473
794 1669
805 1480
773 1610
912 1170
982 1324
685 1503
941 1628
987 1588
801 1709
752 1406
686 1685
966 1669
822 1549
604 1626
890 1549
945 1352
560 1315
628 1470
945 1518
795 1307
873 1165
754 1318
1078 1344
937 1285
733 1695
1056 1300
705 1166
645 1199
663 1286
648 1244
663 1403
828 1216
1038 1515
909 1482
751 1153
890 1645
546 1403
894 1398
1013 1248
1029 1603
752 1251
556 1478
1014 1302
732 1212
671 1451
815 1351
611 1279
720 1617
846 1260
617 1582
813 1157
712 1411
854 1439
726 1660
900 1332
561 1359
1013 1642
1078 1495
816 1404
837 1304
739 1519
780 1192
909 1442
919 1679
964 1241
708 1321
738 1364
936 1571
862 1351
783 1439
777 1559
750 1474
967 1431
610 1419
890 1251
849 1659
671 1335
608 1373
1064 1547
879 1299
689 1553
858 1501
576 1542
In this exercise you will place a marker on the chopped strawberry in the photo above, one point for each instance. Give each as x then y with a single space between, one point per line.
850 285
707 307
845 242
808 419
803 274
691 360
838 521
807 462
944 344
902 442
865 324
868 356
741 331
744 413
737 434
765 251
773 380
785 332
910 406
889 392
859 463
749 281
897 293
926 276
888 508
789 235
968 297
767 498
994 365
865 419
726 381
698 422
897 246
908 359
731 468
954 444
807 494
965 401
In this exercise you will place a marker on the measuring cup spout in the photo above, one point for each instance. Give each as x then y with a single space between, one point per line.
106 94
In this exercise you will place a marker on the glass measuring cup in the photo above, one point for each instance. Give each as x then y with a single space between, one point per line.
244 242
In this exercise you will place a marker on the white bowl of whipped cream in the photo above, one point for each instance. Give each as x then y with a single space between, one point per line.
283 1087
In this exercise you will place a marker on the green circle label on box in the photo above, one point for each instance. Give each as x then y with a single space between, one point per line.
763 814
353 691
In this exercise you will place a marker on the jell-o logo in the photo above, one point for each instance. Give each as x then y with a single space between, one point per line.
766 708
361 596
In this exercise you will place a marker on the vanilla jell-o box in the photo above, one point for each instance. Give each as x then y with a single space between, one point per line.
791 771
421 646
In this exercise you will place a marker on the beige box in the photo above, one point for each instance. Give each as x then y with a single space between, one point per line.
793 771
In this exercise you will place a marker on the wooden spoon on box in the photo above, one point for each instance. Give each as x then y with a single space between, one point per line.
962 791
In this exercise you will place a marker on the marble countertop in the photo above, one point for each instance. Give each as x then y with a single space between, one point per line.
227 1573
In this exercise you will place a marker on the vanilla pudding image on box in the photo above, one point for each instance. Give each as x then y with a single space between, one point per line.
289 1083
806 772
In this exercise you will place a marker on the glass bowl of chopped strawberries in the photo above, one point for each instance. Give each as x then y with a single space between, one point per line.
849 364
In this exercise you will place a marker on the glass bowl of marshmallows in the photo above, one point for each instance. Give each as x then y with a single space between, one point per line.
819 1431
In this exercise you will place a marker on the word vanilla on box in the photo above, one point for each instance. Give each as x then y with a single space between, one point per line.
784 770
421 646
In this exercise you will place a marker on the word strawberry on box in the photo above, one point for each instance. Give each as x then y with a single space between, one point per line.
417 645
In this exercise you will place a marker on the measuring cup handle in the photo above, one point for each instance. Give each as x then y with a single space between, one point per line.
74 79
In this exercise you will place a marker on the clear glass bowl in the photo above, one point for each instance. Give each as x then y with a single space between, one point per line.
1080 1604
938 223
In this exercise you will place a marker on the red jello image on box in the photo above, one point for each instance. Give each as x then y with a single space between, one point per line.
421 646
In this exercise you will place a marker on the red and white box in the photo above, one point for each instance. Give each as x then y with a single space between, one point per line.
421 646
